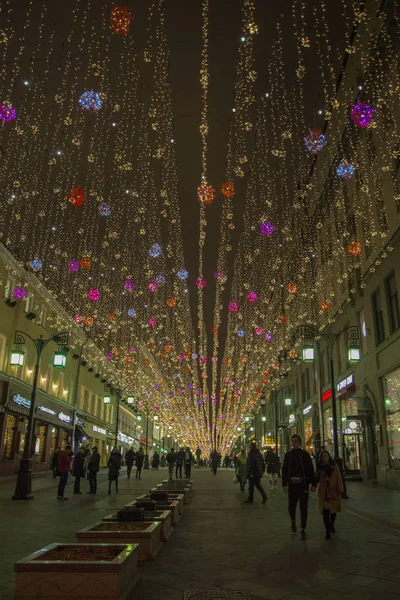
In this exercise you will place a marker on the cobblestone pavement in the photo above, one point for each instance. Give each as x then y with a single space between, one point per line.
223 544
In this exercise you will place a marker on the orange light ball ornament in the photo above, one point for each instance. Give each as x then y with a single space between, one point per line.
292 288
111 318
228 189
120 20
325 306
171 302
354 248
85 263
205 194
89 321
293 354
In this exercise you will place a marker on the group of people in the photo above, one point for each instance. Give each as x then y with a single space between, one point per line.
86 462
298 477
177 460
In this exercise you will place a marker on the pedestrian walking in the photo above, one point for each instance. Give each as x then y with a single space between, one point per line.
78 470
255 470
241 469
198 456
114 466
155 461
129 458
162 462
93 468
139 462
180 458
227 461
54 462
188 462
329 491
272 462
64 463
297 476
171 459
214 461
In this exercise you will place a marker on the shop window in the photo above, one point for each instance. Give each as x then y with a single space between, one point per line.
391 390
40 445
328 430
392 302
54 439
363 332
377 310
9 437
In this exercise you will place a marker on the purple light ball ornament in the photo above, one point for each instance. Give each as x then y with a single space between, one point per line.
269 337
20 292
233 307
94 295
362 114
109 356
91 101
160 280
315 141
266 228
104 209
73 266
219 275
251 297
129 285
36 264
152 287
152 322
200 282
345 170
155 251
7 112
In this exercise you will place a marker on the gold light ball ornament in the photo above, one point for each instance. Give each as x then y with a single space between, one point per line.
228 189
354 248
325 306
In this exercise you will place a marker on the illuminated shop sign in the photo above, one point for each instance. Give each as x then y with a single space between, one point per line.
326 395
64 418
345 382
61 416
99 429
126 439
18 399
292 418
307 409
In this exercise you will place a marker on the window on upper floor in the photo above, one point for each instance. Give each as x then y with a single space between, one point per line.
29 303
392 300
43 317
9 287
377 311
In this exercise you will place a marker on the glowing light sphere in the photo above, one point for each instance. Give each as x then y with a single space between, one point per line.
120 20
104 209
85 263
36 264
240 332
362 114
20 292
203 360
315 141
252 297
117 351
160 280
195 356
182 274
77 196
345 170
354 248
111 318
152 287
292 288
219 275
228 189
259 331
269 337
129 285
89 321
168 348
200 282
73 266
214 329
181 357
7 112
266 228
233 307
171 302
283 319
91 101
132 349
205 194
152 322
78 318
109 356
293 354
94 295
155 251
325 306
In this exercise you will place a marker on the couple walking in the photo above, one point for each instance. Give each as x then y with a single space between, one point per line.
251 467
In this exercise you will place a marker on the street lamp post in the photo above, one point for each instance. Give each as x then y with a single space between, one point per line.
23 488
309 332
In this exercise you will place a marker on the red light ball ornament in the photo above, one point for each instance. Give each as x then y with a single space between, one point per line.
292 288
120 20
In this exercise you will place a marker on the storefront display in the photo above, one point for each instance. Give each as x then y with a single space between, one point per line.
391 390
308 436
328 429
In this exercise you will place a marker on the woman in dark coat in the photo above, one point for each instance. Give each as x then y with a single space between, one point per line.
78 470
114 465
139 462
155 461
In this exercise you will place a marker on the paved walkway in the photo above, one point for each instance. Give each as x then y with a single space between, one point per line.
223 544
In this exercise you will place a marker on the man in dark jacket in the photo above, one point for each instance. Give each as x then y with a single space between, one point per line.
255 470
214 460
64 463
78 470
93 468
272 462
129 458
180 459
297 476
171 460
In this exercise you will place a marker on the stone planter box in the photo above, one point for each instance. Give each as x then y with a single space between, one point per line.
147 535
163 516
172 495
43 574
172 484
171 498
186 491
171 505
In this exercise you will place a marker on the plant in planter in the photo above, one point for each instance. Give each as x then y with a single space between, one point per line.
148 504
129 514
79 571
146 534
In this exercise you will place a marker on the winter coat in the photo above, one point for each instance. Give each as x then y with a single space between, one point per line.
171 458
114 465
241 470
139 460
255 463
129 457
188 457
298 463
180 457
78 469
272 462
155 461
64 462
330 489
94 463
54 459
215 458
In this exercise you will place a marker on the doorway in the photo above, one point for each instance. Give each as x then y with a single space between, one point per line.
352 444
